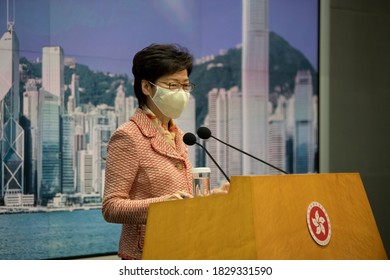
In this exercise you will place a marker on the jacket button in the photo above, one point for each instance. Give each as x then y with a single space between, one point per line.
179 165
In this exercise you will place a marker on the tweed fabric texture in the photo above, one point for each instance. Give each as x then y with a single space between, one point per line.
141 168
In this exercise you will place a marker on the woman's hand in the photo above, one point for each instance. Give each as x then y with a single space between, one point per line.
179 195
223 189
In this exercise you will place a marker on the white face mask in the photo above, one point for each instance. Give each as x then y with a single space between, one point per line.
171 103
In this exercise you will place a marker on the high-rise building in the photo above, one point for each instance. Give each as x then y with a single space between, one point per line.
84 172
234 131
11 133
224 121
186 122
30 113
53 73
101 124
120 104
255 84
49 161
277 137
290 132
74 98
304 138
212 146
51 107
220 132
79 131
67 154
131 106
75 89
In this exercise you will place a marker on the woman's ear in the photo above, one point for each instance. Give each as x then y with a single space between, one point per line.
146 87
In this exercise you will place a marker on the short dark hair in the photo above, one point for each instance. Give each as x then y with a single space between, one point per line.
157 60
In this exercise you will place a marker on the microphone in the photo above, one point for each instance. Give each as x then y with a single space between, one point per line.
190 139
205 133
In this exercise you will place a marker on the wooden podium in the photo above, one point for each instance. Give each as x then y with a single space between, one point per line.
266 217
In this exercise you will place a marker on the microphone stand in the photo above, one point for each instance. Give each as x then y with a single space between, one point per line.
249 155
220 169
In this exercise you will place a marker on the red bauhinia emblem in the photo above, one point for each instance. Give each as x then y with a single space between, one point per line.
318 223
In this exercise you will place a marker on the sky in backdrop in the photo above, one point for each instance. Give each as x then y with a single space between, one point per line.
105 34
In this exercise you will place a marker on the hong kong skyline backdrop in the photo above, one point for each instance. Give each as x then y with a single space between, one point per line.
105 35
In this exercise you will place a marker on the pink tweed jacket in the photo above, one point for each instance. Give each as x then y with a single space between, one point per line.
141 168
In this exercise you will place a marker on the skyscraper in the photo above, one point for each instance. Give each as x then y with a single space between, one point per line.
186 122
304 139
11 133
234 136
84 172
211 146
51 107
67 154
224 121
131 106
101 124
120 104
49 161
30 114
53 73
74 98
277 137
255 84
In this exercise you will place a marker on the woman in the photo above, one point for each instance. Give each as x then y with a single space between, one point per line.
147 160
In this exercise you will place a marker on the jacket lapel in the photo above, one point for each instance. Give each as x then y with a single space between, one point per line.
157 140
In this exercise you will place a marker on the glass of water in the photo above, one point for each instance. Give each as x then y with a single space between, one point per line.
201 181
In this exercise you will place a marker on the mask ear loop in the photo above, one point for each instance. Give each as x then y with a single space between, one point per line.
146 87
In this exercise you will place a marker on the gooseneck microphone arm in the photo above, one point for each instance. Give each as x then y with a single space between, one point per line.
250 155
220 169
205 133
190 139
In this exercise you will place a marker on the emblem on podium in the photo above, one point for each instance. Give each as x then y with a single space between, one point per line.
318 223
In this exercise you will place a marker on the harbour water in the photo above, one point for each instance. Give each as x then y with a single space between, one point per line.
55 235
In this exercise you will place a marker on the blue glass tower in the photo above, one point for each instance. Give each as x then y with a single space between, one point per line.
49 162
67 155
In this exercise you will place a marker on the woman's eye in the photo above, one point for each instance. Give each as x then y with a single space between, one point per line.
174 86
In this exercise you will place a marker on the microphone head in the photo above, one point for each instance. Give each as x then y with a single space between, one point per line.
204 132
189 138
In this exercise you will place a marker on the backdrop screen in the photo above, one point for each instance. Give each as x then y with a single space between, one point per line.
66 85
